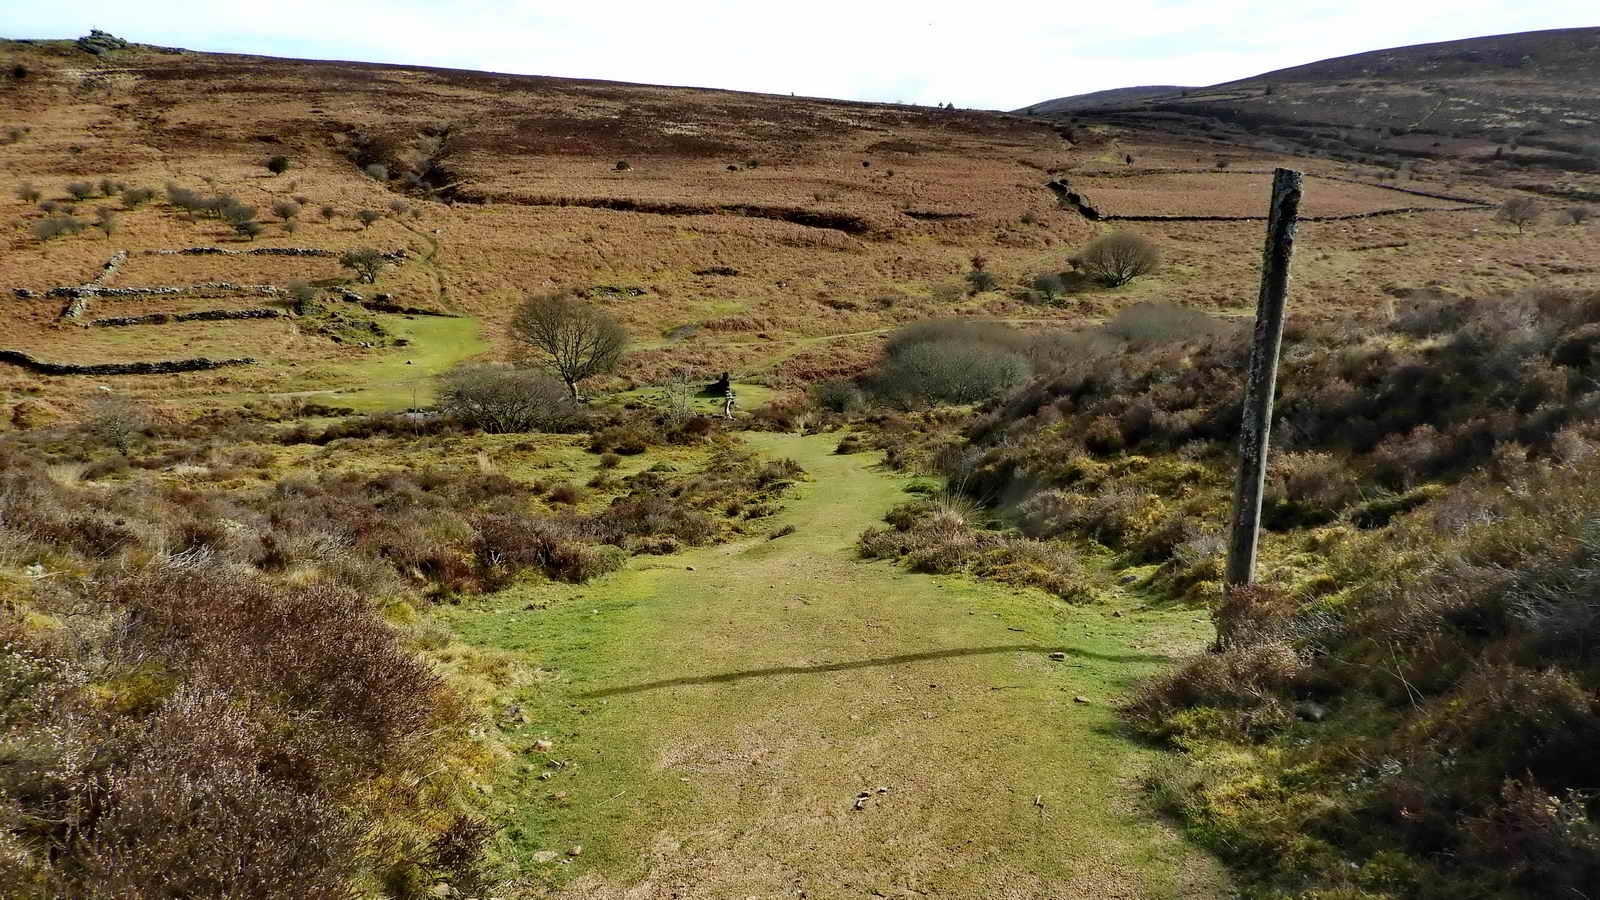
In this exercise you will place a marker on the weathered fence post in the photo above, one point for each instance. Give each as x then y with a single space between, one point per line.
1261 377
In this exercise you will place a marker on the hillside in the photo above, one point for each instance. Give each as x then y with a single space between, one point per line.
1112 97
315 584
727 221
776 237
1520 101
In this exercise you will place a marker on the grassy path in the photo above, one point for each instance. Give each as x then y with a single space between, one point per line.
715 715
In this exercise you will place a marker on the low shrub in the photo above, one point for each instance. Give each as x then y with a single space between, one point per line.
932 367
939 537
501 399
57 226
1118 258
134 197
1156 321
837 395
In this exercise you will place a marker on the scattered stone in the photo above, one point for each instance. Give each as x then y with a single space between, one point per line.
1127 579
575 850
546 856
883 790
24 294
543 746
1116 614
1080 699
689 568
1058 655
199 364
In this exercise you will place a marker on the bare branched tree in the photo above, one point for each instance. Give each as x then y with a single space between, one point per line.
678 395
572 339
1519 211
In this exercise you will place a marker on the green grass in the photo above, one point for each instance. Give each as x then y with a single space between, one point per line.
714 715
383 382
749 396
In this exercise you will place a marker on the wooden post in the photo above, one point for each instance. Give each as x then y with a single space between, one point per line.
1261 377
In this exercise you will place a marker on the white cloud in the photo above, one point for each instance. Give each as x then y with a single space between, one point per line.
1004 53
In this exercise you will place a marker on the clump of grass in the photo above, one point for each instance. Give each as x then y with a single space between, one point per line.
942 536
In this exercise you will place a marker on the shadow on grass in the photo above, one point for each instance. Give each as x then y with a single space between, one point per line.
727 677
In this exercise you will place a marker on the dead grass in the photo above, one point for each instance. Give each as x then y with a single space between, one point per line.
1233 194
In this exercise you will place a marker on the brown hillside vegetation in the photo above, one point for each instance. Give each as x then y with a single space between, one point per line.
872 542
726 231
1514 102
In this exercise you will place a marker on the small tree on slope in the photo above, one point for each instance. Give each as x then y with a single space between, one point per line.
572 339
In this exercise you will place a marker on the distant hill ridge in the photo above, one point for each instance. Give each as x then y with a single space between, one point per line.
1528 101
1566 54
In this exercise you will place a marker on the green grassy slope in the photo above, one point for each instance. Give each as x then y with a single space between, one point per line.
715 714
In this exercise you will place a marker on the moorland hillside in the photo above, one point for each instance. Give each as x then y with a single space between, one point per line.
1523 103
312 584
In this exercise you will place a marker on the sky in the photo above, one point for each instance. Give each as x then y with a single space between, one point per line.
998 54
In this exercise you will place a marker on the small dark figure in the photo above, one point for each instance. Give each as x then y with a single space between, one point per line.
721 386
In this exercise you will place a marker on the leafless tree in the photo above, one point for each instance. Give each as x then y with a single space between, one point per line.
1119 258
501 399
572 339
1519 211
678 395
